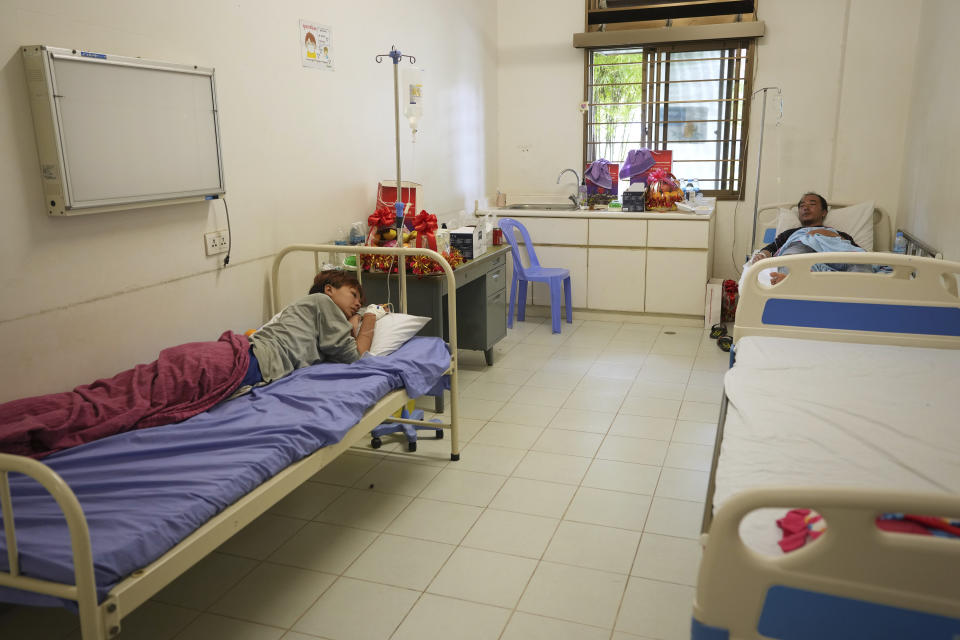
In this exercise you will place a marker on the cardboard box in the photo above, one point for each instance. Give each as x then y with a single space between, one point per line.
634 200
468 241
713 303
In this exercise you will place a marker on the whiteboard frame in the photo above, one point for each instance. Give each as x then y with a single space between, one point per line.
48 126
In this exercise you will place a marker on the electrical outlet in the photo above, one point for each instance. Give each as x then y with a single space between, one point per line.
216 242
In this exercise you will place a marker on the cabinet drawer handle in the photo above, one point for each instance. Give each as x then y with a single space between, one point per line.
494 276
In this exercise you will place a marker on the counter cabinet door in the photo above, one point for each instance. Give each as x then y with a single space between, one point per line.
676 281
574 259
616 279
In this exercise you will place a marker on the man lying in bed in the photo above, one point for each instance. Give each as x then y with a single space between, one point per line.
811 237
188 379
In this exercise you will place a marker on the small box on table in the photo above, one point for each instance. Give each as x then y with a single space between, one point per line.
469 241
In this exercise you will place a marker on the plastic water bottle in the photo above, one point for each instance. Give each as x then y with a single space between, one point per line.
356 233
900 243
582 195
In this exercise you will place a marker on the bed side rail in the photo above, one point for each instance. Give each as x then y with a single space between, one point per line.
854 568
914 304
84 592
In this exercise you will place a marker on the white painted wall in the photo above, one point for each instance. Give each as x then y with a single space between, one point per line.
85 297
931 164
540 86
841 66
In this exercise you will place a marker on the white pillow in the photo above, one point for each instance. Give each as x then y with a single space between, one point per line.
856 220
393 330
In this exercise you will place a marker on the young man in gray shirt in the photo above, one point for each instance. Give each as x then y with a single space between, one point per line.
325 325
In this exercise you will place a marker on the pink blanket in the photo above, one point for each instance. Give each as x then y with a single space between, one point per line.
184 381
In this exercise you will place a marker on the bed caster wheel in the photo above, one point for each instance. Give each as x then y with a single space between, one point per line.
375 443
439 434
411 446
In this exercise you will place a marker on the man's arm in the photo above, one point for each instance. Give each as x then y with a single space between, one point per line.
774 246
846 236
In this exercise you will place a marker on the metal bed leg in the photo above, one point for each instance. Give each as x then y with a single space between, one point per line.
708 503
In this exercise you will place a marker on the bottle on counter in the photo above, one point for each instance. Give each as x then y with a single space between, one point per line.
900 244
443 238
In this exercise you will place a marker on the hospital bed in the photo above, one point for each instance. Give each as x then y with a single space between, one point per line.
104 526
842 398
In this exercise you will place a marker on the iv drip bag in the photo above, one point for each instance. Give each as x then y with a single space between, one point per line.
413 96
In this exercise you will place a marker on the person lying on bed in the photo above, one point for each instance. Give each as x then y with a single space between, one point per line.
188 379
811 237
325 325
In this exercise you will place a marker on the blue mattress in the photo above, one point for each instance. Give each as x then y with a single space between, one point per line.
144 491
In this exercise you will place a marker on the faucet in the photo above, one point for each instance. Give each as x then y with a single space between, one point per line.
572 197
574 175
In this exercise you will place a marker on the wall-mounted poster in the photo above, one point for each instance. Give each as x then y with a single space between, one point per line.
316 48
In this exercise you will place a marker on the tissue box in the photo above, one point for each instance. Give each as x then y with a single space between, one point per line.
468 241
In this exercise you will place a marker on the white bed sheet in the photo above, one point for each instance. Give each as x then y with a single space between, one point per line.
813 413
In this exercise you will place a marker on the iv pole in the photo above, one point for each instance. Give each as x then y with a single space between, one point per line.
397 56
756 191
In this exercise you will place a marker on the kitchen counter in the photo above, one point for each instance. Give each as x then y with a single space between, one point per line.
647 262
586 214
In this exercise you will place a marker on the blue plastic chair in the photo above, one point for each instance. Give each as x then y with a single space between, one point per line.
534 273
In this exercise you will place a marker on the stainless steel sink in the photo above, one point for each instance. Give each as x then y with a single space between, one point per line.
544 207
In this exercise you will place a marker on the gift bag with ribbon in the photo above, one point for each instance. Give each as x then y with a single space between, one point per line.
728 301
425 226
383 233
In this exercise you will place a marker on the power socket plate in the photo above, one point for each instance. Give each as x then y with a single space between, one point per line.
216 242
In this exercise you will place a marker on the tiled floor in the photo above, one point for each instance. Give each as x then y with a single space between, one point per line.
573 513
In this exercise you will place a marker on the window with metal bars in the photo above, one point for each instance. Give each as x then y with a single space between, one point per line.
690 98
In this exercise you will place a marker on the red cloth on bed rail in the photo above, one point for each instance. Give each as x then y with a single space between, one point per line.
184 381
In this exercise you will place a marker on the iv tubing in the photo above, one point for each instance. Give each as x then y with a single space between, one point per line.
756 191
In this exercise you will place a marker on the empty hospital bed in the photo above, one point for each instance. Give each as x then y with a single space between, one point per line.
842 399
106 525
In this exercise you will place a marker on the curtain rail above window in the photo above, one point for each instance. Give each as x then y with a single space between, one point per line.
625 11
660 35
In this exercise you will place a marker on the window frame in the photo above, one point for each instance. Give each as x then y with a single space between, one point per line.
654 131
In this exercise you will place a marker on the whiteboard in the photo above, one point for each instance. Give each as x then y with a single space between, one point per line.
126 131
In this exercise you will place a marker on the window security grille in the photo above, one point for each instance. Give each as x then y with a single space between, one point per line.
690 98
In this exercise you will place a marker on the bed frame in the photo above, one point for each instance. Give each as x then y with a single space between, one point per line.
916 305
855 582
100 621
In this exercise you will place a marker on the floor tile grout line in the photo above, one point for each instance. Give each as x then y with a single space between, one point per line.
553 535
